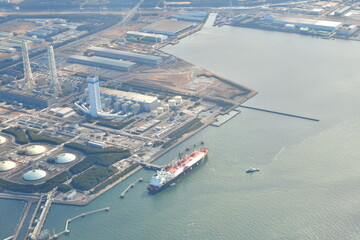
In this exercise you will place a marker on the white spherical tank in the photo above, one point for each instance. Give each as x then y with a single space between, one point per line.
35 150
34 175
178 99
7 165
65 158
172 103
2 140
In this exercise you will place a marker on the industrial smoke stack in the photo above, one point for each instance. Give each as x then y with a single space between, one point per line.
29 79
94 95
54 81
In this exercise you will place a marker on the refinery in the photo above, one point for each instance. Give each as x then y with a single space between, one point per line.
86 103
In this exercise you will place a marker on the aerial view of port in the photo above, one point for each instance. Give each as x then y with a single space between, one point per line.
200 119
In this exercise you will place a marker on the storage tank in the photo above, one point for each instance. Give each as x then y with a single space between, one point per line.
135 108
34 175
154 113
126 106
172 103
160 110
35 150
65 158
2 140
178 99
117 105
166 106
7 165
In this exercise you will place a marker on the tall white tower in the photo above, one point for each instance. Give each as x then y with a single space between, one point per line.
94 95
54 81
29 79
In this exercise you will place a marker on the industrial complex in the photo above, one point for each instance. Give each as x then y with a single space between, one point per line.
128 56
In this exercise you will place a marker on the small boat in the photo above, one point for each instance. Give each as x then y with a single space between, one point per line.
251 170
172 184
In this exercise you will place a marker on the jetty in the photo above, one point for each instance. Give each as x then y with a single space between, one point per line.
122 195
68 221
280 113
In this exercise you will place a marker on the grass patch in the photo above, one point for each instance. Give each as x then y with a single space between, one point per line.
114 178
92 177
115 125
34 136
18 133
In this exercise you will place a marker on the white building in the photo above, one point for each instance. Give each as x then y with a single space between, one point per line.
94 95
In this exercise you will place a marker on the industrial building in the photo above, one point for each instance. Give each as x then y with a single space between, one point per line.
148 103
168 27
103 62
347 30
321 25
117 54
37 100
149 37
193 17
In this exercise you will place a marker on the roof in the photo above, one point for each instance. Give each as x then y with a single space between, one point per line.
35 150
328 23
130 54
65 158
34 175
147 34
168 25
7 165
128 95
102 60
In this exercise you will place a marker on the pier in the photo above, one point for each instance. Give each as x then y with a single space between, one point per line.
122 195
67 231
280 113
34 233
151 166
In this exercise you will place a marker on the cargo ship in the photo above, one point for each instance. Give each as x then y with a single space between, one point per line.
164 177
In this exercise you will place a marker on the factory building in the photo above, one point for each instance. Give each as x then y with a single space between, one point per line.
149 37
25 97
117 54
168 27
193 17
147 103
321 25
103 62
347 30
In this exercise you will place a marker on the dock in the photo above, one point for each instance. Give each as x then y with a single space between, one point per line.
68 221
122 195
223 118
280 113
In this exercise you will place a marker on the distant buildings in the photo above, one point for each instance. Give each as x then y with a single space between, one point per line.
103 62
129 56
168 27
149 37
304 22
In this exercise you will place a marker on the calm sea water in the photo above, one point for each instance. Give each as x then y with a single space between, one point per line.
310 171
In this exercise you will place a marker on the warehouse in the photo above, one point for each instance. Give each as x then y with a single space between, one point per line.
149 37
168 27
25 97
148 103
310 23
101 62
117 54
